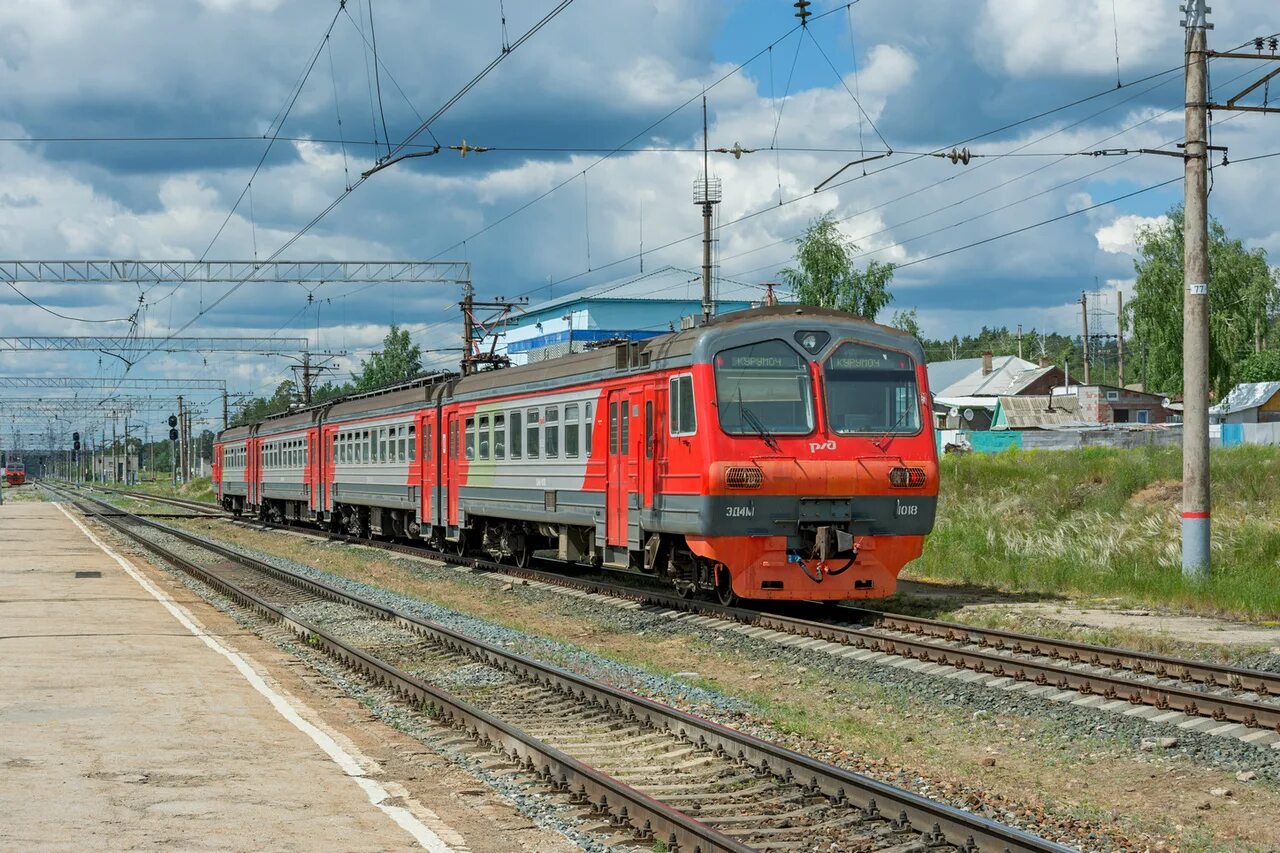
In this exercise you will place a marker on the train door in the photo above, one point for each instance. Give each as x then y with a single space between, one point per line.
310 473
450 480
253 466
425 455
621 471
648 427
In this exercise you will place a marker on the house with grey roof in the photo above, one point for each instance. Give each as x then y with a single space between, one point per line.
1249 403
966 391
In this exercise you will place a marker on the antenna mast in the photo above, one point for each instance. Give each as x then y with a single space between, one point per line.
706 192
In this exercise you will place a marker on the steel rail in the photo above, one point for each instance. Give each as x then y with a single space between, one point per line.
207 509
623 804
1248 712
939 823
1148 663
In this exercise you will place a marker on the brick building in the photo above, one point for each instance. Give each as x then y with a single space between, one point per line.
1108 404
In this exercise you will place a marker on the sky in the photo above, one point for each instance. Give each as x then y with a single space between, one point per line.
551 210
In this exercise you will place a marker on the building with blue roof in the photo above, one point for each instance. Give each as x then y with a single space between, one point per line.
636 307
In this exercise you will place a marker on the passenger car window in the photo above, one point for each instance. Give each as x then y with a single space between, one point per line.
531 432
517 436
571 431
483 430
471 438
499 437
648 429
551 431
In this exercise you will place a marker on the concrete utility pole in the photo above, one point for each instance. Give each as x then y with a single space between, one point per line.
1020 342
1120 337
468 327
1195 303
1084 314
306 379
178 467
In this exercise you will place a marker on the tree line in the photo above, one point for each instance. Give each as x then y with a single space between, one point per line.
399 360
1243 305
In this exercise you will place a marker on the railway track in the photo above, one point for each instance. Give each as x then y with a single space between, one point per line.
1174 687
654 773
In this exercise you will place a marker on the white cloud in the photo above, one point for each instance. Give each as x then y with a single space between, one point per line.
1119 235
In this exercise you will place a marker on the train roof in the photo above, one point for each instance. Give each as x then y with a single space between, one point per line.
408 395
236 433
678 349
672 350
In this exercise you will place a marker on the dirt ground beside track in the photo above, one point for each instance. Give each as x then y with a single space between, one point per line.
1016 760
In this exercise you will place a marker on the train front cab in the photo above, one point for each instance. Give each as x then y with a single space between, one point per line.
822 471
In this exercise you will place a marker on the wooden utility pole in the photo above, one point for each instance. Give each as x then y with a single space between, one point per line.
1120 338
1084 315
1195 304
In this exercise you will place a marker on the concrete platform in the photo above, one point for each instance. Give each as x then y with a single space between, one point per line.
127 725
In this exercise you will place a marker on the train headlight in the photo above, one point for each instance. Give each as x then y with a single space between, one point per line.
907 478
812 341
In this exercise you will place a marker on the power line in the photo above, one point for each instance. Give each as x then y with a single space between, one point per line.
60 316
622 147
1051 220
348 190
282 115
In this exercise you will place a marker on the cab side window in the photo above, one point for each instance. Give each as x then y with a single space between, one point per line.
684 420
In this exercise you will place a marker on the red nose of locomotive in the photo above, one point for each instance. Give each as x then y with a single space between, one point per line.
830 477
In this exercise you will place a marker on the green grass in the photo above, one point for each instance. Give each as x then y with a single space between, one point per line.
198 489
1104 522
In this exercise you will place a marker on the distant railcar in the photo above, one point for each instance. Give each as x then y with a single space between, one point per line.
783 452
15 474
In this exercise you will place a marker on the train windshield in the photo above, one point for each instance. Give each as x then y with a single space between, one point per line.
870 390
764 389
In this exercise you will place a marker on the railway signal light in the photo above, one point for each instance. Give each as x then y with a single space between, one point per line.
173 421
173 435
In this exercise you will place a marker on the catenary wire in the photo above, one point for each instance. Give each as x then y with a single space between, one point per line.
300 233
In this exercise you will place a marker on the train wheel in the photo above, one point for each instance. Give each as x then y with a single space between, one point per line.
522 556
724 588
460 547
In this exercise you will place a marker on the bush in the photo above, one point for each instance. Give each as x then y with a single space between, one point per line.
1107 522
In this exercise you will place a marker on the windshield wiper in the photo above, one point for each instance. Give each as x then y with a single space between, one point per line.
883 441
755 424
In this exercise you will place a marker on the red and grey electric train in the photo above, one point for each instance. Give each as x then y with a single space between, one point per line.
782 452
15 474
